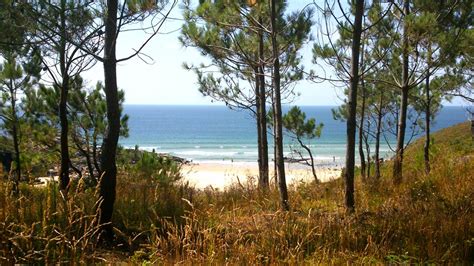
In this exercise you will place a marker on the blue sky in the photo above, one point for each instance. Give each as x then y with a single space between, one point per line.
165 82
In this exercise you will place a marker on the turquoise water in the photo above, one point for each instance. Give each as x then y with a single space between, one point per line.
218 134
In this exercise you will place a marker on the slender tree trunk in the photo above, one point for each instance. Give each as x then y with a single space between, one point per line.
377 137
259 133
275 166
64 87
108 181
263 110
261 183
427 118
352 104
64 170
361 122
16 141
278 113
311 158
398 162
361 135
367 149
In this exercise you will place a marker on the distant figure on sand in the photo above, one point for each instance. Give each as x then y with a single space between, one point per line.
334 159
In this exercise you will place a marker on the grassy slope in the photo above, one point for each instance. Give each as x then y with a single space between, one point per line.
429 218
426 219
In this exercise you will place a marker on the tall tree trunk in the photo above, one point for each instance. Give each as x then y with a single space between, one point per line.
361 135
352 104
275 166
278 113
64 87
16 141
361 122
427 117
64 169
261 184
367 149
398 162
377 137
108 165
261 133
263 110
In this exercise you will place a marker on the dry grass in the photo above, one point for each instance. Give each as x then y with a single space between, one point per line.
427 219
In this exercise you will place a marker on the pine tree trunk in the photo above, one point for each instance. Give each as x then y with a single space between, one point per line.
16 141
367 149
64 169
398 162
427 119
261 184
278 114
361 135
361 124
377 138
263 112
64 87
16 146
352 104
427 125
108 166
259 133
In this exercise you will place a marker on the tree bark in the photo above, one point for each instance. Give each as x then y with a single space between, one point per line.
64 169
278 113
16 141
367 150
377 138
426 148
261 183
108 181
361 123
361 136
263 112
398 161
64 87
352 104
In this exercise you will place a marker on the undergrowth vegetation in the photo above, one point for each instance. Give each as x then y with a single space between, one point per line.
159 218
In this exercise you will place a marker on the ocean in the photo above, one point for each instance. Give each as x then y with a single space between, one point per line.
220 135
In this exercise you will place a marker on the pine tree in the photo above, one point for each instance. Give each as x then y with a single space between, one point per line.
17 75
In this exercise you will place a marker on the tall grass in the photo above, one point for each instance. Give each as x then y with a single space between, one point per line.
427 219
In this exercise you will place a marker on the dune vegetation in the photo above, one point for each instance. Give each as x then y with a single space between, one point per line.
160 219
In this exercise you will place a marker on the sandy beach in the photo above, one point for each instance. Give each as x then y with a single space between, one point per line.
221 175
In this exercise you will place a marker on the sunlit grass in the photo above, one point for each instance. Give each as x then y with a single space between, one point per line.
429 218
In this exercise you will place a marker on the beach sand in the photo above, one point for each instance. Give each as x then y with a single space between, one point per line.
221 175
